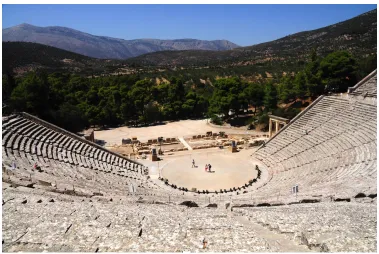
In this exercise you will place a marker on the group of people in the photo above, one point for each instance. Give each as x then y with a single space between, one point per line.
208 167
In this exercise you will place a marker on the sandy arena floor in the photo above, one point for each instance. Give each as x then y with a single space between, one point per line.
228 170
176 129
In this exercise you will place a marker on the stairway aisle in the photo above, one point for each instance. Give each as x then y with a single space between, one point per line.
275 241
185 143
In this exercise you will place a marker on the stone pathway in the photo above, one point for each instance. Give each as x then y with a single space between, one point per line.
185 143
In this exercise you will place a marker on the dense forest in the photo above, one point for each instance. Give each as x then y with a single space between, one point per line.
76 102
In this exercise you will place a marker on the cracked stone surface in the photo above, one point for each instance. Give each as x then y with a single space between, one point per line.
71 224
337 226
109 226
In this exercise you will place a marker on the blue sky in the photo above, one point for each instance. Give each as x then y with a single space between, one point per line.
242 24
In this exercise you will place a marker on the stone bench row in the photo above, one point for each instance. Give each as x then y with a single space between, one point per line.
26 144
44 134
16 140
296 130
53 171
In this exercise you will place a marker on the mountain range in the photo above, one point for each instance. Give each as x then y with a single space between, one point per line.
357 35
102 46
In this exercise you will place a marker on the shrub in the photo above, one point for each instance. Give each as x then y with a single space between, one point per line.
263 119
215 119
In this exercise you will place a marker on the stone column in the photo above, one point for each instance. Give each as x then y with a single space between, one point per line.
269 127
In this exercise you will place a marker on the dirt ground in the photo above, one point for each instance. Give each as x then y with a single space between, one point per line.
123 150
185 128
228 169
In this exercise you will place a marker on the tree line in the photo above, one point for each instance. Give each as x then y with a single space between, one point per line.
75 102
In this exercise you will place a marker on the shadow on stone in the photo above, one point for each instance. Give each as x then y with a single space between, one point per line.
189 204
360 195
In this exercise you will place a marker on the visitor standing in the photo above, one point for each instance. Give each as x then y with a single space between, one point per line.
193 163
206 167
209 167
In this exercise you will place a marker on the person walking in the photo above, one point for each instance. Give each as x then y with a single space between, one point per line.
209 167
193 163
206 167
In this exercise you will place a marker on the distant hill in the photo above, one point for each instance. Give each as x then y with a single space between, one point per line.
288 54
104 47
357 35
20 57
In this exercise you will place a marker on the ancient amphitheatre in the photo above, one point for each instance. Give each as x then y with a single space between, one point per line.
310 187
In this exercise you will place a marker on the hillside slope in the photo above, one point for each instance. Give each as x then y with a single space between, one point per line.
20 57
102 46
357 35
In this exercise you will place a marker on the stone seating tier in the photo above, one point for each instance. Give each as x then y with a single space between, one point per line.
331 144
30 141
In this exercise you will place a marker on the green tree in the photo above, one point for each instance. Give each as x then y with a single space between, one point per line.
314 84
300 85
286 89
71 117
31 95
366 66
228 95
141 95
8 85
254 93
338 71
270 100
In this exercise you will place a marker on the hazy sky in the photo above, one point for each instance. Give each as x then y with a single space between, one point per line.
242 24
